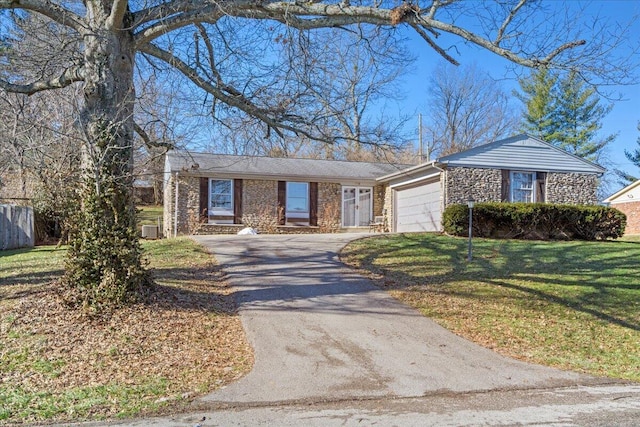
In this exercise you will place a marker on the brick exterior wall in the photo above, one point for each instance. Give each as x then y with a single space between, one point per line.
632 211
572 188
482 184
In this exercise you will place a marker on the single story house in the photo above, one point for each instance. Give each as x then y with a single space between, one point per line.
212 193
627 201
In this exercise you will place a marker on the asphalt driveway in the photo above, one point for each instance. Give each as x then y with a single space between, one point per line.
322 332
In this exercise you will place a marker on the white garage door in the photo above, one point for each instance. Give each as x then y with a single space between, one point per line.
418 207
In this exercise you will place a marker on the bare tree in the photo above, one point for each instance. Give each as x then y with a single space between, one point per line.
466 108
231 50
363 67
41 152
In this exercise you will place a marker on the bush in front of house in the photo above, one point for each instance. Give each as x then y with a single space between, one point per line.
535 221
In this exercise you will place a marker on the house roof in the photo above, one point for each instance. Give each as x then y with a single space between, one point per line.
206 164
521 152
630 193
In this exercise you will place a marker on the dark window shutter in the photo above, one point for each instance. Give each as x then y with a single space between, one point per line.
204 199
504 190
313 203
237 201
282 202
541 178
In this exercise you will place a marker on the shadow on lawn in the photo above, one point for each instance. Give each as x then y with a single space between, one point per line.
608 280
192 289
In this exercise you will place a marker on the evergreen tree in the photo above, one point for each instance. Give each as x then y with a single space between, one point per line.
539 99
580 115
564 112
634 157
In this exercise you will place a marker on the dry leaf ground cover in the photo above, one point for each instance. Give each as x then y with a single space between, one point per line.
572 305
57 365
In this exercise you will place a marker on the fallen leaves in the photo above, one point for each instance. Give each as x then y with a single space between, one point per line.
188 336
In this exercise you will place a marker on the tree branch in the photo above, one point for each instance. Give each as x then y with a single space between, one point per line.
51 10
210 14
147 139
433 45
235 98
507 21
116 17
69 76
560 49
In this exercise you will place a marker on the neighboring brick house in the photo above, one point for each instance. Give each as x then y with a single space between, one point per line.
217 193
627 201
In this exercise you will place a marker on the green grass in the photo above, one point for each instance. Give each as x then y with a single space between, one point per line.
30 266
573 305
148 215
81 402
28 369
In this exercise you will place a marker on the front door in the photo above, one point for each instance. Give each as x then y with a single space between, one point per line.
356 206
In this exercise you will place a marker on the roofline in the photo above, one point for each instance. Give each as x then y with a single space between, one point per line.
408 171
601 169
209 173
250 156
620 192
197 171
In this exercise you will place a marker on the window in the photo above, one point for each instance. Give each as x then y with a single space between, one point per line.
220 197
523 187
298 199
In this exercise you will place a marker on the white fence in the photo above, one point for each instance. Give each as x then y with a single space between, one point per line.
16 227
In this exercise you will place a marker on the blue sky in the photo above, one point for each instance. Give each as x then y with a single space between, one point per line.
623 119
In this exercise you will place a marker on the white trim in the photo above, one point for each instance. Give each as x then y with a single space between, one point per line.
533 185
415 181
297 214
357 204
612 199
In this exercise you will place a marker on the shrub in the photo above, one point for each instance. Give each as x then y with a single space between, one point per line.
535 221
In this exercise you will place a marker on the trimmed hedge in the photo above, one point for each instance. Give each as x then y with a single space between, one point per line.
535 221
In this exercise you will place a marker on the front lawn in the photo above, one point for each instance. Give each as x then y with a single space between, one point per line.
571 305
153 357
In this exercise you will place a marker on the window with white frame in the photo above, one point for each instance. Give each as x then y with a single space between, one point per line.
220 197
297 200
523 186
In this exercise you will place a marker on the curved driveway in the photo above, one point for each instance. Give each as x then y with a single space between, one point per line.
322 332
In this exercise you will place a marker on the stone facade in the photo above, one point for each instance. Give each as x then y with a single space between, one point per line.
260 197
572 188
387 206
329 206
482 184
188 205
632 211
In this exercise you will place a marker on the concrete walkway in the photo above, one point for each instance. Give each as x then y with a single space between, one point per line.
321 332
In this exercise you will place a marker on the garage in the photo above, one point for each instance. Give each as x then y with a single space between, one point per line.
418 207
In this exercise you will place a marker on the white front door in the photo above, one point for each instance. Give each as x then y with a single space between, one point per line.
356 206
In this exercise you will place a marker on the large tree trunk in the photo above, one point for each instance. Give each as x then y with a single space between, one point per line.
104 267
